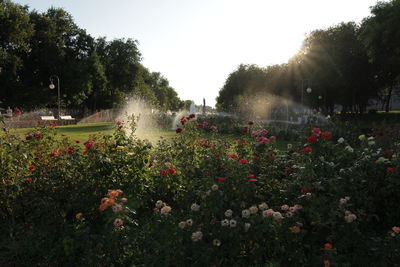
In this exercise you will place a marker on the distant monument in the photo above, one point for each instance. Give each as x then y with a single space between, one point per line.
204 106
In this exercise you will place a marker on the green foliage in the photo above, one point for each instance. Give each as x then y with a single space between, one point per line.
94 74
46 182
346 64
195 201
381 37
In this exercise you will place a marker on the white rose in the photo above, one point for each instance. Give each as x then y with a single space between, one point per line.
165 210
225 222
159 204
268 213
214 187
350 218
197 236
195 207
263 206
277 216
371 143
228 213
253 209
216 242
182 224
349 149
245 213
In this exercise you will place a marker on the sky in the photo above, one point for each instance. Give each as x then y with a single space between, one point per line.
196 44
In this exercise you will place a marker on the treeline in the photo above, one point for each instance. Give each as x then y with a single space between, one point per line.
347 64
94 73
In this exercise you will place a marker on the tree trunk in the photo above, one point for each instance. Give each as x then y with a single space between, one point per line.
388 97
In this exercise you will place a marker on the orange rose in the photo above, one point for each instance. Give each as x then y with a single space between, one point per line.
328 246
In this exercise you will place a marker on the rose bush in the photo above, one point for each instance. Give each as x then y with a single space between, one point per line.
203 198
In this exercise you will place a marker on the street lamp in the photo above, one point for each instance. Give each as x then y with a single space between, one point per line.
308 90
52 86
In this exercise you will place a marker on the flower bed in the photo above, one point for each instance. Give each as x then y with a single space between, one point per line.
196 201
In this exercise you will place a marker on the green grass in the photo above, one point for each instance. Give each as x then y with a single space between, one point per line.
75 132
83 131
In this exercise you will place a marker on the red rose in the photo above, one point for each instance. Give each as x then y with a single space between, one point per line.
386 154
163 172
70 150
250 123
178 130
55 153
311 139
77 141
241 142
243 161
252 180
221 179
255 158
326 135
171 170
390 170
183 120
316 131
119 122
88 144
305 189
214 128
206 173
250 175
233 156
191 116
28 180
245 129
306 149
32 167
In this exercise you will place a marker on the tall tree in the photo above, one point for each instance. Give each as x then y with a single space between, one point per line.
380 34
336 63
16 30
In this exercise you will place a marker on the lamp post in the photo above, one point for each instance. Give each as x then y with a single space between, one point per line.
51 86
308 90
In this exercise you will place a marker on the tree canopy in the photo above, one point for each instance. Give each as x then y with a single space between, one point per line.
94 73
346 64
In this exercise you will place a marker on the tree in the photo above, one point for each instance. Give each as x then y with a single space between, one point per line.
16 29
337 64
380 34
93 73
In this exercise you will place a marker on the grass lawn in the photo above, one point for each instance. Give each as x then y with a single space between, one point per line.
83 131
